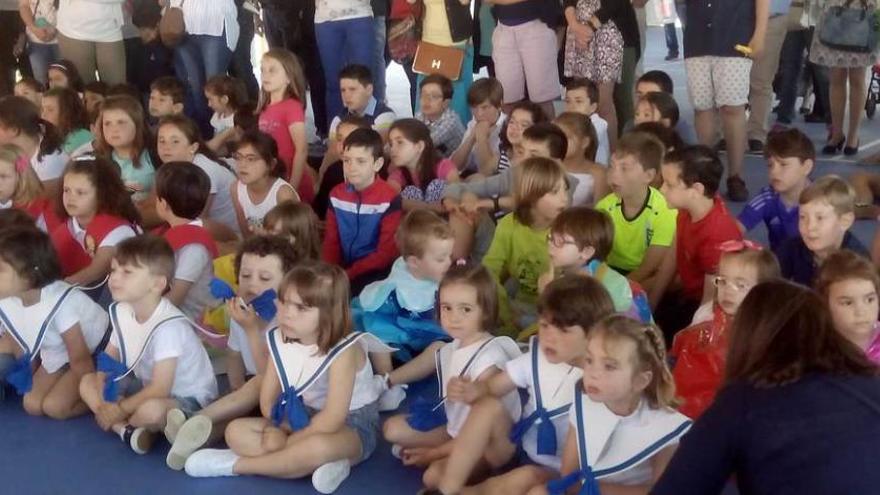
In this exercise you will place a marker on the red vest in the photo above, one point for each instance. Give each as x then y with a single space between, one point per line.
42 207
184 235
71 253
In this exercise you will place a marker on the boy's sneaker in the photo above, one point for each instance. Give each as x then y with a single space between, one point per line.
328 477
736 189
390 399
756 147
140 439
174 419
211 463
192 435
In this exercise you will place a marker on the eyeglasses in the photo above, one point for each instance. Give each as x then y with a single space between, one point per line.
249 159
724 283
559 242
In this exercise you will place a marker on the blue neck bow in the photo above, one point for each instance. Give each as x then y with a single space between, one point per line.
113 369
20 375
425 415
290 406
561 486
546 431
264 304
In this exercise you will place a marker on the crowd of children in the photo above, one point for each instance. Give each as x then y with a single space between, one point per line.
521 259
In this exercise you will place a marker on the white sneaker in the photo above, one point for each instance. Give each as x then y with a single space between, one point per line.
141 440
328 477
390 399
190 438
173 421
211 463
397 451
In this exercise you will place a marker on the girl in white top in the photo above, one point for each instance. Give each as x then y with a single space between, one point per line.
468 304
225 95
178 140
624 428
569 307
579 159
47 322
261 263
259 186
318 395
21 125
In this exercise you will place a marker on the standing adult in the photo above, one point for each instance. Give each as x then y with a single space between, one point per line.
211 35
524 49
762 74
39 18
346 35
799 410
846 68
9 38
90 36
242 67
449 23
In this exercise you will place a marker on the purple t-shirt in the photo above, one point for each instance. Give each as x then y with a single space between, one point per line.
767 207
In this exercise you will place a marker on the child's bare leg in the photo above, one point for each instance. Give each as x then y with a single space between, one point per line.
484 436
91 388
381 362
397 431
43 383
421 366
63 400
151 414
432 475
254 437
538 490
301 457
236 404
516 482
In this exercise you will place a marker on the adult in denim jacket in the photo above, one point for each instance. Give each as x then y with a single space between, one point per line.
800 413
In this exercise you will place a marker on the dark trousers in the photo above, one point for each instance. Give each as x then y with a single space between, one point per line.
791 65
671 37
291 25
241 66
9 63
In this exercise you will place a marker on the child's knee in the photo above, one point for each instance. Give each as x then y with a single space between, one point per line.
33 404
151 413
88 384
56 408
394 429
431 477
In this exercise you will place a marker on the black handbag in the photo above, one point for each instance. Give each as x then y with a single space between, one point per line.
849 29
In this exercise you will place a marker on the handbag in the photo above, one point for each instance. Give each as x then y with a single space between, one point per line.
436 59
849 29
404 30
172 27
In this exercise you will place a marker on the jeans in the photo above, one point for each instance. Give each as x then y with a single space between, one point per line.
341 43
196 59
671 38
242 68
41 55
791 64
292 27
379 65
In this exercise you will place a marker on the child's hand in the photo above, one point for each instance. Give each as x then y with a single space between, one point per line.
109 413
450 205
470 204
465 390
244 315
418 456
482 130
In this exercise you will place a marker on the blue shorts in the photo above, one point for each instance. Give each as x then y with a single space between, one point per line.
364 422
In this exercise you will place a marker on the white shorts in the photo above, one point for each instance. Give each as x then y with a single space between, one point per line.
715 82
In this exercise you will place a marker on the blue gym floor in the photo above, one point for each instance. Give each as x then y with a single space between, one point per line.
40 456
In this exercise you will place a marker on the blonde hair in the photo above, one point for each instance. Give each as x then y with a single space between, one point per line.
833 190
417 229
650 355
298 222
28 186
763 260
323 286
536 177
296 88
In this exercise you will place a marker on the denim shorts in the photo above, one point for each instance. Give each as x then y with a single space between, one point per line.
364 422
131 385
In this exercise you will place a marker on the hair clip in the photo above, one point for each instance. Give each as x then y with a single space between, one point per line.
58 66
21 163
85 157
460 262
737 246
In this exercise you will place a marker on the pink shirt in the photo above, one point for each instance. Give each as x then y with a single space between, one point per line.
441 171
275 121
873 350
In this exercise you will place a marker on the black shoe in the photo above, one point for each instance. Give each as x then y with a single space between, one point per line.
813 118
755 147
736 189
721 146
671 56
833 148
851 150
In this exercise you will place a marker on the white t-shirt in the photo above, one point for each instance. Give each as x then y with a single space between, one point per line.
222 210
97 21
50 166
491 355
238 342
77 308
603 151
193 263
494 140
45 15
193 375
212 18
112 238
221 124
562 379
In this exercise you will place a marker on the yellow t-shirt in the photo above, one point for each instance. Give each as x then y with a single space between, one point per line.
435 26
653 226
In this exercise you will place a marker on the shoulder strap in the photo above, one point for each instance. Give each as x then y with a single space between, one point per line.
536 382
